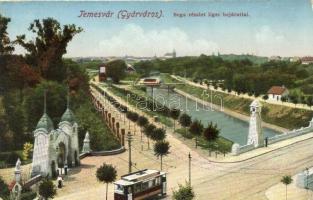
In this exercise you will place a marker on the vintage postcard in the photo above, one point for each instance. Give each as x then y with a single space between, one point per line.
144 100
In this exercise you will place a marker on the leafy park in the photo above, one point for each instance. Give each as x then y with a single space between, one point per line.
43 68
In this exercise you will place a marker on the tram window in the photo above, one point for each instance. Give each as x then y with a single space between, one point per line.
154 182
137 187
145 185
157 181
119 188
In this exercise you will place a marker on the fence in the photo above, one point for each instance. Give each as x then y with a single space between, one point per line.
291 134
305 179
237 149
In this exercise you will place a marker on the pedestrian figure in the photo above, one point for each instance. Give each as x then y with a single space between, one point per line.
60 182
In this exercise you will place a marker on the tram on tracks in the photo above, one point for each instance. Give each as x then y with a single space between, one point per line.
140 185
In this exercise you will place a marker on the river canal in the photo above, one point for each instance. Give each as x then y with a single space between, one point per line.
231 128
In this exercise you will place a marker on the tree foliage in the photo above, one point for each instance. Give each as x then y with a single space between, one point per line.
241 73
47 189
116 70
23 80
148 129
184 193
46 50
5 43
27 150
286 180
106 174
196 128
174 113
185 120
142 121
4 191
158 134
161 148
211 132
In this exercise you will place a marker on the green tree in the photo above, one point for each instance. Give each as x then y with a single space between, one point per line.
106 174
286 180
14 112
158 134
34 102
161 148
196 128
174 113
211 132
309 101
185 121
265 97
184 193
4 191
142 122
47 189
148 131
116 70
294 99
5 43
45 51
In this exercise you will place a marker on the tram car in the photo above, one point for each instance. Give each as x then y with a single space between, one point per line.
140 185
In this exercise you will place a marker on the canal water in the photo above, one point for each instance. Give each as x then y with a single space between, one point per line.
231 128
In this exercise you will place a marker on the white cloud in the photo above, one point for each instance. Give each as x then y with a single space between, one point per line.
265 34
270 42
134 40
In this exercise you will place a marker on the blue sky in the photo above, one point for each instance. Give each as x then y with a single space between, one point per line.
274 27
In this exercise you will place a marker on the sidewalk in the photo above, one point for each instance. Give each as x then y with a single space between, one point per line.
264 150
278 192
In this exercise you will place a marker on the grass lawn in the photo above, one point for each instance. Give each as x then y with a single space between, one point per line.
163 119
221 144
12 156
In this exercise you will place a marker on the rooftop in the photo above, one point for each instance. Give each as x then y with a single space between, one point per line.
278 90
68 116
45 122
129 179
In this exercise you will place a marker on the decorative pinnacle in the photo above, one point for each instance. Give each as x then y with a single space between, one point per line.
68 98
45 103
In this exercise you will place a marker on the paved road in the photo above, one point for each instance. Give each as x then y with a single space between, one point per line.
245 180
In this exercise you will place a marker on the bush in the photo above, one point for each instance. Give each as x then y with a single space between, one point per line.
12 158
28 194
184 193
47 189
4 192
211 132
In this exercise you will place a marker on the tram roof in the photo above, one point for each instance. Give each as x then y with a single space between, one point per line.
132 178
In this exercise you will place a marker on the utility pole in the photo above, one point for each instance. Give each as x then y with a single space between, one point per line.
189 156
129 138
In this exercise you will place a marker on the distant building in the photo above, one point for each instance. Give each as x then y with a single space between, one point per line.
294 59
274 58
130 69
170 55
307 60
277 92
102 73
150 81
